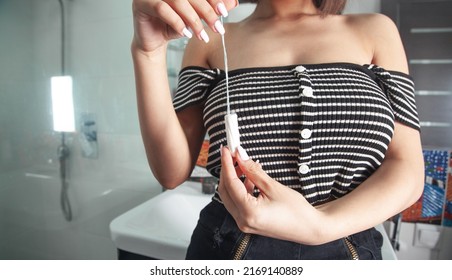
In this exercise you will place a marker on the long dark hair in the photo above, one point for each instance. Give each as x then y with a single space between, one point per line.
326 7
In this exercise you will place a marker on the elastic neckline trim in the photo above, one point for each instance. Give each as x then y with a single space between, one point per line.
346 65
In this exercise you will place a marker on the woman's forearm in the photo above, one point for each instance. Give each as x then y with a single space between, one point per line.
396 185
164 139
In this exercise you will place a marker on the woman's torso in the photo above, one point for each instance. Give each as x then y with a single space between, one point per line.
324 144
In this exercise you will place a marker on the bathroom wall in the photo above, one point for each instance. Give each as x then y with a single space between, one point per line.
98 33
362 6
15 74
15 84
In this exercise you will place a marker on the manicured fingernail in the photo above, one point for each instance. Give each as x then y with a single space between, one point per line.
242 153
187 33
221 149
204 36
219 27
258 162
222 9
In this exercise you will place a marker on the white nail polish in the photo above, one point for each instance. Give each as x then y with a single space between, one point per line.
187 33
222 9
242 153
204 36
219 27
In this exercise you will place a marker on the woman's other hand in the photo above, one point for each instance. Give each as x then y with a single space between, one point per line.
277 211
158 21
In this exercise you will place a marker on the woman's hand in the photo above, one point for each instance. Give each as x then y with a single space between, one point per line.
277 212
158 21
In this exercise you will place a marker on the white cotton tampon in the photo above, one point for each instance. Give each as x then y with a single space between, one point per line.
230 119
232 132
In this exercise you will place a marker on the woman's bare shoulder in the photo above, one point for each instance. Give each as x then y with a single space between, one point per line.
372 24
369 18
382 34
199 53
195 53
207 55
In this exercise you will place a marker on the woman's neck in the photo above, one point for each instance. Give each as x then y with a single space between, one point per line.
284 9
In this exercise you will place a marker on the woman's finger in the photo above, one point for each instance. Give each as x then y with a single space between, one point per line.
223 189
150 18
233 185
228 202
249 185
187 10
253 171
223 7
220 7
208 14
227 166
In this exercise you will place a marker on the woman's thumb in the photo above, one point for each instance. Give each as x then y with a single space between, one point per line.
253 170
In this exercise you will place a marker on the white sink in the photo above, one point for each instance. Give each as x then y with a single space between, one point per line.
162 226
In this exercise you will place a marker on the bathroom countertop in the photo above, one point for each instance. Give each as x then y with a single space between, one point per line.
162 226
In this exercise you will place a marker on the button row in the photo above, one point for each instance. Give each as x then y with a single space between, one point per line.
306 91
305 133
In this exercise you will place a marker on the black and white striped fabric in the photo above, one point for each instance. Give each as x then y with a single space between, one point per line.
321 129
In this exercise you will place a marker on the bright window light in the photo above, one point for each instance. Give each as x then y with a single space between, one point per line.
62 104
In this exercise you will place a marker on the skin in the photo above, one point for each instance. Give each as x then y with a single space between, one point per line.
285 32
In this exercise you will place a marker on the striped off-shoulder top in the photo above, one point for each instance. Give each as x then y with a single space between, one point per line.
320 129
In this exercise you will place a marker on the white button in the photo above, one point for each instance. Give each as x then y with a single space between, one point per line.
308 92
300 68
306 133
304 169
